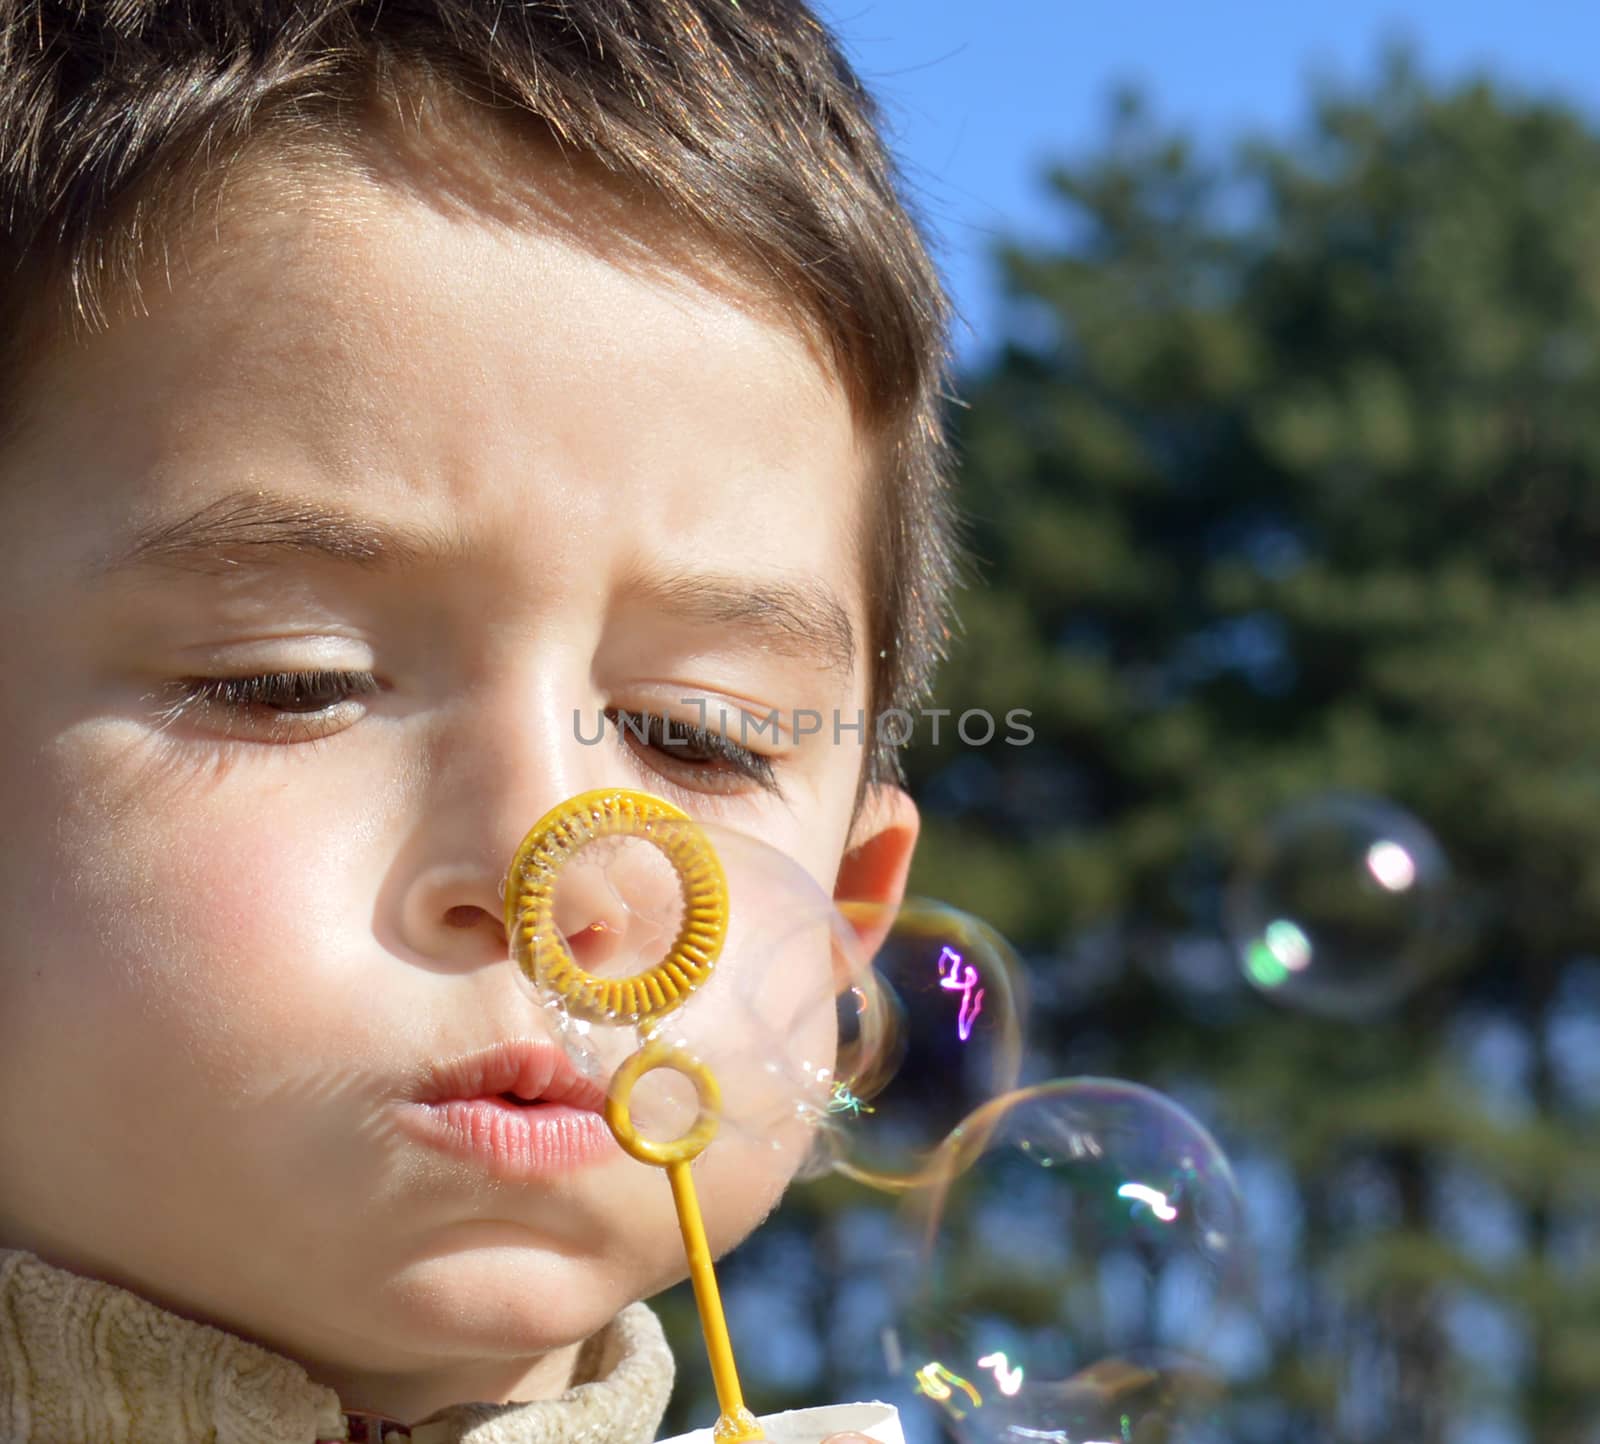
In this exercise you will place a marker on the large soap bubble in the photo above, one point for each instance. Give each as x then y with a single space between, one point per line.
1080 1249
1341 905
930 1032
640 926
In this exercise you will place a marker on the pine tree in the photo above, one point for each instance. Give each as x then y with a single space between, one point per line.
1298 488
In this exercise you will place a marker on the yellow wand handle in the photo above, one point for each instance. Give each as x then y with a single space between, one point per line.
735 1422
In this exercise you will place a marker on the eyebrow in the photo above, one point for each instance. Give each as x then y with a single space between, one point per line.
801 616
244 530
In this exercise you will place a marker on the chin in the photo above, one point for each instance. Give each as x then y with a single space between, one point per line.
505 1302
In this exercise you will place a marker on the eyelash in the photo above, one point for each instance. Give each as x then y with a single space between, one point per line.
287 695
290 696
688 738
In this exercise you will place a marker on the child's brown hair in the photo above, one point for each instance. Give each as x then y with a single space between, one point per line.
742 116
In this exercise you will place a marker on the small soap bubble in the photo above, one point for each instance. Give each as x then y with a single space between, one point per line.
931 1031
1078 1249
1340 905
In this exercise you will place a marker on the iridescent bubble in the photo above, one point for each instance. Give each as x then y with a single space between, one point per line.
1080 1253
706 943
1341 905
931 1031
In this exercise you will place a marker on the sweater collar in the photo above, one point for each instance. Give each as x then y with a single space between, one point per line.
83 1359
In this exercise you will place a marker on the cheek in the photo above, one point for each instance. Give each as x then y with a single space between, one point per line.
172 977
171 922
741 1179
815 838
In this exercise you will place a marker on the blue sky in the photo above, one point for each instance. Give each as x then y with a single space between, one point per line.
978 92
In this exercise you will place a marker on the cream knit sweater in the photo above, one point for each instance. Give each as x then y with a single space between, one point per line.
86 1362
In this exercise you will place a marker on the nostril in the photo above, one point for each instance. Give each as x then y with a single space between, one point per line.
591 946
464 916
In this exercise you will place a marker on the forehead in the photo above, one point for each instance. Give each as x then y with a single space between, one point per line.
447 352
365 258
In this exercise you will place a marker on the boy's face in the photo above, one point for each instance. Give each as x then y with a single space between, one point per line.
499 482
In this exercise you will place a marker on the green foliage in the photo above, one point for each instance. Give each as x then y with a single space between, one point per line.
1305 493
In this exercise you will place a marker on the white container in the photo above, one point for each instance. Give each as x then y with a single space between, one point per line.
812 1426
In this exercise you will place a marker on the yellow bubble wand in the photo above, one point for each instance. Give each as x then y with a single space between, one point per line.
541 951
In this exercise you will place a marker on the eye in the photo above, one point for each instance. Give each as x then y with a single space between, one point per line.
272 706
708 758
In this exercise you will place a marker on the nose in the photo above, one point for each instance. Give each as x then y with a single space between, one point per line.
481 790
489 770
451 911
617 905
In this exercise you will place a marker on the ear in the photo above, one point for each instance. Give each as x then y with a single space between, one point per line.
877 860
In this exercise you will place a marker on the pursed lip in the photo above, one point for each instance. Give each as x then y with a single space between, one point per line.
518 1110
531 1069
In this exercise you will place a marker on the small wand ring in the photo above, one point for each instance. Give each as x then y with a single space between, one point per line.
652 1056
